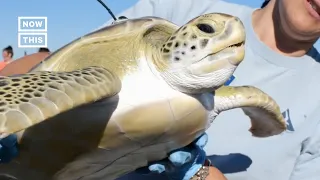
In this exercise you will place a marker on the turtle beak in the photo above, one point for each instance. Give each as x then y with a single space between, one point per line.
227 59
239 52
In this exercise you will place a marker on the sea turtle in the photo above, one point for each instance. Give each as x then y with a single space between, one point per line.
120 97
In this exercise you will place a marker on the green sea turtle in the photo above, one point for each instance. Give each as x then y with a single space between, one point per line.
120 97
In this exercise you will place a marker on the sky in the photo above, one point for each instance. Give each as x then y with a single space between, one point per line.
67 19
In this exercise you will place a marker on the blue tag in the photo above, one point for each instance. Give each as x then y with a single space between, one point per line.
229 80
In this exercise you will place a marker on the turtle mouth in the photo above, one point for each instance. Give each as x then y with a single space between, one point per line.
230 48
233 46
236 45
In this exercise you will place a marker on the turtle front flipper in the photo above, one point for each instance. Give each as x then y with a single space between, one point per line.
264 112
28 99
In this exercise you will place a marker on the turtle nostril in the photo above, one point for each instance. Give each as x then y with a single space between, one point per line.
205 28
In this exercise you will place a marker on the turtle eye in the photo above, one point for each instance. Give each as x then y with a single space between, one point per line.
206 28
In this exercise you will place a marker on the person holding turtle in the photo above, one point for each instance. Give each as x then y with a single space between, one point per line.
282 61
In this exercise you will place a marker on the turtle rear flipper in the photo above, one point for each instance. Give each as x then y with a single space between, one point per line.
263 111
28 99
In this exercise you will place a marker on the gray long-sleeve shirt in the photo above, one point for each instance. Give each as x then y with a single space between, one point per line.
292 81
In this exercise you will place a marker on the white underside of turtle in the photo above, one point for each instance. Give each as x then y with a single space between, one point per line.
116 99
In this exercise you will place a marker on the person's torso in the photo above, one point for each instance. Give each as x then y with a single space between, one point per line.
292 82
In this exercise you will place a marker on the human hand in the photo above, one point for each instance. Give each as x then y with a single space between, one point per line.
8 148
182 164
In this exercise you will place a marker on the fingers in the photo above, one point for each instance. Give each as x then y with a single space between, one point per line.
179 158
174 160
156 167
202 141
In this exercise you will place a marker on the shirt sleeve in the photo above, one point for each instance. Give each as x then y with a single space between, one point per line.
308 164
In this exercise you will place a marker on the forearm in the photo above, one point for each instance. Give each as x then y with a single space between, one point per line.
215 174
208 173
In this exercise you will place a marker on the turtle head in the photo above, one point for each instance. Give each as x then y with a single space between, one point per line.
204 53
